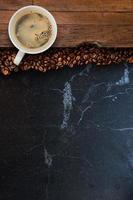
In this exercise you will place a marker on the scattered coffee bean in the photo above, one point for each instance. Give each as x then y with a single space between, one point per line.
57 58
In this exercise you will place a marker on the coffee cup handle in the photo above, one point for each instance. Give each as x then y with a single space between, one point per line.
18 57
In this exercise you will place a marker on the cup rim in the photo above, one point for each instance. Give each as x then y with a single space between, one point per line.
45 48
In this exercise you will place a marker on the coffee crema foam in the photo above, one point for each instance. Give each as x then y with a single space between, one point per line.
33 30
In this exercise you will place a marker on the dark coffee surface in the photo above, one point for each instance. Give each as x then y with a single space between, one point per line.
67 134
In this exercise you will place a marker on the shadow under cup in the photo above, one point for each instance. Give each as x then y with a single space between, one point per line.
12 29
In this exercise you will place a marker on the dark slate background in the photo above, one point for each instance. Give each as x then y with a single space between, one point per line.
67 134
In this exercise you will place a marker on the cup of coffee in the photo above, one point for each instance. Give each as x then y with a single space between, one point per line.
32 29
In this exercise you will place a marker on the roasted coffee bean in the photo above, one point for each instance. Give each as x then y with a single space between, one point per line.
86 62
5 71
85 57
56 55
74 62
68 58
98 64
40 68
71 65
58 58
78 58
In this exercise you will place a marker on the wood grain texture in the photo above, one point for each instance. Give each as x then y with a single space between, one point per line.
90 18
107 36
103 21
68 36
13 4
4 39
5 15
97 18
87 5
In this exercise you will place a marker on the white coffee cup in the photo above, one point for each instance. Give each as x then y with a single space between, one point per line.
12 26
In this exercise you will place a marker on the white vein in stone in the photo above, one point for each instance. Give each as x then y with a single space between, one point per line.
67 102
90 90
83 112
114 99
58 90
68 98
84 72
122 129
114 95
124 79
47 158
109 86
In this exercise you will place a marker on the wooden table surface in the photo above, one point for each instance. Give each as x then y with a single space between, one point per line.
108 22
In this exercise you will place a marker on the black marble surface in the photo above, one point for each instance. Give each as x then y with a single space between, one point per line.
67 134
